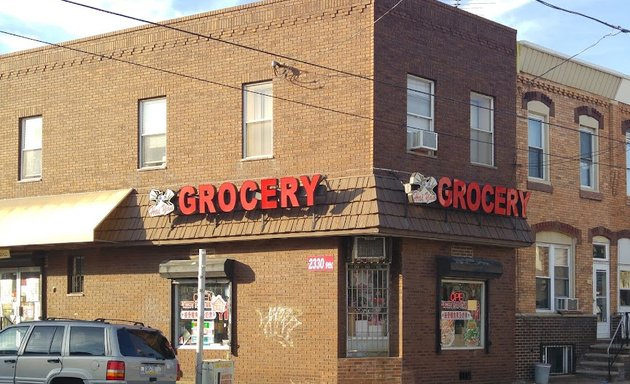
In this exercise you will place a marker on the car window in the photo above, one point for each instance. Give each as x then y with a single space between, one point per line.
87 341
144 343
44 340
10 340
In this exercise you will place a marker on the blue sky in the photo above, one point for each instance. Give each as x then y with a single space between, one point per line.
56 21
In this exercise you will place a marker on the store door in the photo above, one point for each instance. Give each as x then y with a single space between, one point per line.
601 295
20 295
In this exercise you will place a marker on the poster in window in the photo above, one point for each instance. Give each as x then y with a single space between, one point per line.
461 316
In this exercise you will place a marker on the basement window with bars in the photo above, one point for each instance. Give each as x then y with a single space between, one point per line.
75 274
560 357
367 283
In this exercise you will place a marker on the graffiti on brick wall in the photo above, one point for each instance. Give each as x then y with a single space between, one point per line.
278 323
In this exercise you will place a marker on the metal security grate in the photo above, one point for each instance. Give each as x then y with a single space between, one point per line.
368 310
75 274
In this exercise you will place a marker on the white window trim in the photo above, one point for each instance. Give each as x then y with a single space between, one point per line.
142 136
24 148
544 120
431 101
552 277
474 95
599 240
252 88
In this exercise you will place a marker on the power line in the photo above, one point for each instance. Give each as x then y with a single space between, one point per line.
617 27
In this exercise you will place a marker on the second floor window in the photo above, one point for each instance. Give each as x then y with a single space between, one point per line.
31 148
481 129
420 114
152 132
258 120
537 146
588 145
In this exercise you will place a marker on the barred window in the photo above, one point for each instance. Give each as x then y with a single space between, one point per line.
368 309
75 274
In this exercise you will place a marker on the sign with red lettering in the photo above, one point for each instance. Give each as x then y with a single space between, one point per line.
497 200
268 194
320 263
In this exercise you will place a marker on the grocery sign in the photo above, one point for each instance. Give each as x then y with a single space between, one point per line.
475 197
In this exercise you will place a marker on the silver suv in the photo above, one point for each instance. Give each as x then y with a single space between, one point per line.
63 351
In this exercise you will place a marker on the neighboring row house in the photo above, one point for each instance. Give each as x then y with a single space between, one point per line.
353 171
573 154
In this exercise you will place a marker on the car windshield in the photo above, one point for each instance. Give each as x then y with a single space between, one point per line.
144 343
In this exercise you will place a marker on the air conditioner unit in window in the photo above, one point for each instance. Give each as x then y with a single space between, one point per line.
422 139
567 304
369 250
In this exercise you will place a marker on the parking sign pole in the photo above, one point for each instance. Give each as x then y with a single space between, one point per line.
201 293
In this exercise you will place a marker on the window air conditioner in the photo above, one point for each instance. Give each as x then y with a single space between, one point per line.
422 139
369 249
567 304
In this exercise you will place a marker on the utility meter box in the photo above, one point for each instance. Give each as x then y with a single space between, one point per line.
217 372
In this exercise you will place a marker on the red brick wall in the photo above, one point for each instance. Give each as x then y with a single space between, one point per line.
421 362
461 53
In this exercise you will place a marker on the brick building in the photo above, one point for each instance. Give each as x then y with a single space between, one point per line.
573 122
296 143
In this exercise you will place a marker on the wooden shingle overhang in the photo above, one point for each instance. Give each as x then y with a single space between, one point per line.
348 206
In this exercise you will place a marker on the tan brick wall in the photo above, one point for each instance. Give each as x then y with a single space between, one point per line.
89 105
272 288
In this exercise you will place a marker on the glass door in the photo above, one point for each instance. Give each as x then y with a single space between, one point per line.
601 299
20 295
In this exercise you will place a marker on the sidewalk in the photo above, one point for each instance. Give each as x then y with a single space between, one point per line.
583 380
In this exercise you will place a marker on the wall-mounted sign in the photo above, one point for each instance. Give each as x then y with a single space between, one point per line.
455 193
420 189
320 263
268 194
161 204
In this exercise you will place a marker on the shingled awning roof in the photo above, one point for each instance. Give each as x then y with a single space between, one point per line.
357 205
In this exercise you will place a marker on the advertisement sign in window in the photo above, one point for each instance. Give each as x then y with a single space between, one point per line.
462 314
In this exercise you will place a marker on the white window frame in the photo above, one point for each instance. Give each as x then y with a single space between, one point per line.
31 131
262 95
415 90
151 128
589 126
178 327
477 102
567 358
551 277
544 148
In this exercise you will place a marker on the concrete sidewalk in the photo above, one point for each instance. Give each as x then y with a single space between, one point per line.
570 379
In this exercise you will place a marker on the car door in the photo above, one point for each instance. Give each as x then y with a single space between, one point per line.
10 341
41 356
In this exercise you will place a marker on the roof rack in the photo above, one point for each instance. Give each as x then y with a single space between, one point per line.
104 320
62 319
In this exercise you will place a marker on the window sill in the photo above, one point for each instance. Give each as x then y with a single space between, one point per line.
483 165
156 168
212 347
30 180
539 185
254 158
75 294
591 195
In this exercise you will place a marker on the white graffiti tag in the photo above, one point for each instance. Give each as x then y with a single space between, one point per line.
278 324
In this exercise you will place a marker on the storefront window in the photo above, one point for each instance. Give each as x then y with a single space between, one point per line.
217 314
462 314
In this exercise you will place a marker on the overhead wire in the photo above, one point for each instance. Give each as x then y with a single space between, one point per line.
278 55
617 27
243 46
117 59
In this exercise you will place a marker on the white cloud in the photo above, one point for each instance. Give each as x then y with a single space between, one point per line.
493 10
